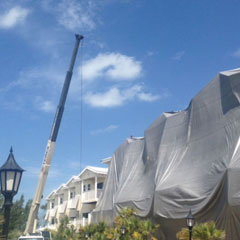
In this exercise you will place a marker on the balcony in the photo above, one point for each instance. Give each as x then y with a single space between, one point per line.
89 196
76 222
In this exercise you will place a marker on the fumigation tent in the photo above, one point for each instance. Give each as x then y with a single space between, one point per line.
186 160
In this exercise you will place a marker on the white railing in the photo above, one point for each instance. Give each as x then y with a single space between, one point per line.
88 196
99 193
76 222
52 226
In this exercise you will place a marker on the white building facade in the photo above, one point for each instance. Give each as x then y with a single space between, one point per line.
76 198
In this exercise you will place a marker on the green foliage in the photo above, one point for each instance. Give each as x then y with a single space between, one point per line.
64 231
183 234
208 231
95 231
14 234
18 216
44 206
204 231
135 228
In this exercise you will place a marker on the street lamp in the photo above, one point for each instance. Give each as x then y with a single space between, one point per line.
123 230
87 235
10 175
190 223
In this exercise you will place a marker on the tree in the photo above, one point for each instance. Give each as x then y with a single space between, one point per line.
64 231
18 216
208 231
95 231
204 231
135 227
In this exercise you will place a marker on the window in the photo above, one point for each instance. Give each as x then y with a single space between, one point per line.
61 200
100 185
89 187
53 221
85 215
52 205
72 195
84 188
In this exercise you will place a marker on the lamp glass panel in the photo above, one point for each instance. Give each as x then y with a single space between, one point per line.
10 180
3 185
18 175
190 222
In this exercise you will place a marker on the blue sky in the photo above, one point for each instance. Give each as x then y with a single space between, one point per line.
139 58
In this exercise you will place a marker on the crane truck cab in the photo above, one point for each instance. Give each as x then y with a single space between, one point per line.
43 235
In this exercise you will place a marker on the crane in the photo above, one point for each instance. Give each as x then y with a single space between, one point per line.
32 217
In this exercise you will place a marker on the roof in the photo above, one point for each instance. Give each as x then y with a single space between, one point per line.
98 170
51 194
230 72
106 160
11 164
31 237
131 139
73 178
62 186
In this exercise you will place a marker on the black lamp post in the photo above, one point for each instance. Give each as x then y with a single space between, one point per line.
190 223
87 235
10 175
123 230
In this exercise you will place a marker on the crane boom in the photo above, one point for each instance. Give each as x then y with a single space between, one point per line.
32 217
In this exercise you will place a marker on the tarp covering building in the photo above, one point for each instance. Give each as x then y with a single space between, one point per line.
186 160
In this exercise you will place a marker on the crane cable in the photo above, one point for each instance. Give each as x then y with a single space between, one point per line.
81 103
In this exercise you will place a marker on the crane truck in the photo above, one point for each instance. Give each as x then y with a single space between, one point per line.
32 217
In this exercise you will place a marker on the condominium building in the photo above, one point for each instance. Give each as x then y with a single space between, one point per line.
76 198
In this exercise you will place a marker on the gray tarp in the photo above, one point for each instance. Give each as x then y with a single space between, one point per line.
186 160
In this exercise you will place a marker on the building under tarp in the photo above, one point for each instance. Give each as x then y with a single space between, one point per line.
186 160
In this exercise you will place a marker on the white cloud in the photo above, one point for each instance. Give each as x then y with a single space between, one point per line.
47 106
35 172
178 56
74 15
237 53
13 17
114 66
117 97
110 128
148 97
44 105
151 53
112 98
47 81
75 164
47 78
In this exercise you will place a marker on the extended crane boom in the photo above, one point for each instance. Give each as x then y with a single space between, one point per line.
32 217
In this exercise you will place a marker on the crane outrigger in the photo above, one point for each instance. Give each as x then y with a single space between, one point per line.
32 217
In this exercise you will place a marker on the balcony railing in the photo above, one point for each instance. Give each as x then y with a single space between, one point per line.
88 196
99 193
75 222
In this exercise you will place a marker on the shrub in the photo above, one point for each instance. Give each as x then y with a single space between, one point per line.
204 231
135 228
